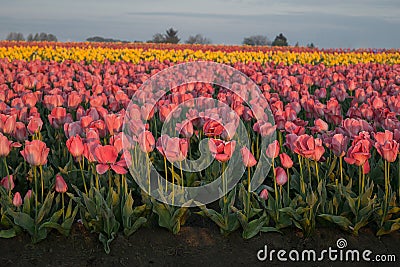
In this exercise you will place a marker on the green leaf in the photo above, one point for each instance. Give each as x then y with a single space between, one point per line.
23 220
45 209
9 233
341 221
389 227
270 229
136 225
254 227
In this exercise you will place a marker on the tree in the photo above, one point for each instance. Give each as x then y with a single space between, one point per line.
311 45
198 39
256 40
280 40
171 36
15 36
157 38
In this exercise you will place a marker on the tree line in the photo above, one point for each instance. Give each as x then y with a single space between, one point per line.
17 36
170 36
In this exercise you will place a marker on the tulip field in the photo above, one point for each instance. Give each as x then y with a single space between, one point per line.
76 136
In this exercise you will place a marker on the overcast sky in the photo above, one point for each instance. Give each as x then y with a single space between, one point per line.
335 23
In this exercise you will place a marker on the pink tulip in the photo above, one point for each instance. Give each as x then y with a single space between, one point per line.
8 182
146 141
35 153
107 156
75 146
247 157
273 150
281 176
264 194
61 185
286 161
17 200
221 150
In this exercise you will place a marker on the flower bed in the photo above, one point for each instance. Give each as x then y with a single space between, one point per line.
72 144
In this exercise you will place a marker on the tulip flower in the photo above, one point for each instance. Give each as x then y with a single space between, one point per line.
185 128
75 146
273 150
106 157
6 146
308 147
212 128
221 150
264 194
174 149
8 182
35 125
359 153
35 152
280 176
247 157
17 200
146 141
286 161
60 185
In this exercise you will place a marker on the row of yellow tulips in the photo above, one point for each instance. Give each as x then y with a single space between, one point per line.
60 53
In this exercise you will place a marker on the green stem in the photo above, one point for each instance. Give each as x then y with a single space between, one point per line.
302 185
62 203
42 181
148 172
341 170
180 166
8 176
109 181
248 191
309 173
288 183
316 170
224 186
173 183
83 176
36 191
166 174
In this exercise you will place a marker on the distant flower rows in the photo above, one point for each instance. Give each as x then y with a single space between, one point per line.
137 53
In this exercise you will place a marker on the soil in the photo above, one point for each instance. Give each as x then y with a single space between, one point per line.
198 244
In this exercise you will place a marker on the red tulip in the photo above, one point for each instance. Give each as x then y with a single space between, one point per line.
247 157
359 152
264 194
113 123
221 150
146 141
273 149
264 128
339 144
185 128
175 149
35 153
309 147
6 145
20 132
61 185
286 161
107 158
7 123
212 128
388 150
58 117
75 146
17 200
35 125
319 126
281 176
7 182
28 195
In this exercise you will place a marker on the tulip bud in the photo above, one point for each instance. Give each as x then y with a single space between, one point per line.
17 200
61 186
264 194
286 161
273 150
281 176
